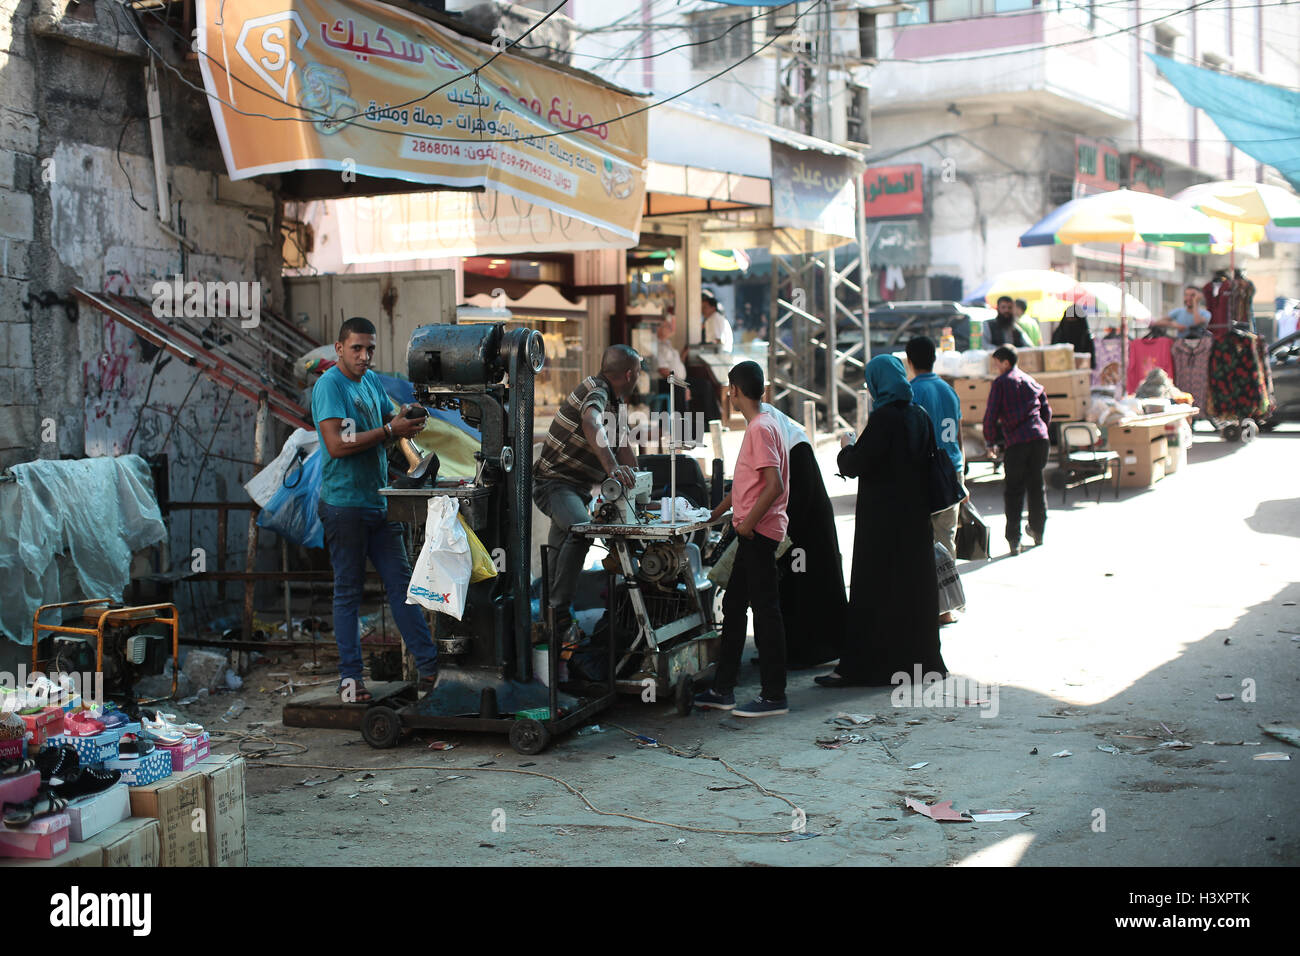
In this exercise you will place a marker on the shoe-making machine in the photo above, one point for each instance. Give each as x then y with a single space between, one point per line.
487 680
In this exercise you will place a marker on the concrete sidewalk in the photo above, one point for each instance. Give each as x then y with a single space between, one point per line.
1118 632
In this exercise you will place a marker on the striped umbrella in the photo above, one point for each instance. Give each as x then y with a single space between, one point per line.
1249 211
1121 216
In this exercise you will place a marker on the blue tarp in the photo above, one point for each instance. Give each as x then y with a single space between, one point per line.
1261 120
403 392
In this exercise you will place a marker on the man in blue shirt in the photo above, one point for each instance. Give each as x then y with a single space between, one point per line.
944 408
1192 316
353 416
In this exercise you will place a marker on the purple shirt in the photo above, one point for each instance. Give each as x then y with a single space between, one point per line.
1017 411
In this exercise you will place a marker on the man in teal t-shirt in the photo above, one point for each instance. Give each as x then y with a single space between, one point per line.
354 419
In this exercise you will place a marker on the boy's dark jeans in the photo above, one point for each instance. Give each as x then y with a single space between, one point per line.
1023 478
753 584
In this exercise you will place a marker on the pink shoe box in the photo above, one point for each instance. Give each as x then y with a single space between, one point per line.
202 745
12 749
42 839
140 771
183 755
21 788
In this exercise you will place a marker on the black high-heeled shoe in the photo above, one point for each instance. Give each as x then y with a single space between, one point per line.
424 473
832 680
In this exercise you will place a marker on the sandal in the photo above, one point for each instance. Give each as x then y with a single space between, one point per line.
163 733
192 730
355 689
16 767
43 804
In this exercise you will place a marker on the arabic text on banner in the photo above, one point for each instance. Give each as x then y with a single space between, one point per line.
293 69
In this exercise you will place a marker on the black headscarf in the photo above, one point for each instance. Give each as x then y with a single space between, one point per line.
1073 330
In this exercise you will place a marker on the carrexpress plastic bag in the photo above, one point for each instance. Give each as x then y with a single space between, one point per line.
441 576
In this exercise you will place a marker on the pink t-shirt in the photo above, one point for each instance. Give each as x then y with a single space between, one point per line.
763 447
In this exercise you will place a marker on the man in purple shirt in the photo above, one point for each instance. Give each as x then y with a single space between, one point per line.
1016 419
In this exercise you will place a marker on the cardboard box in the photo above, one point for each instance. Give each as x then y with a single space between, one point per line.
178 804
1029 361
1066 409
1058 358
41 839
224 788
1083 360
141 771
90 815
972 389
1142 465
21 788
133 842
77 854
1072 384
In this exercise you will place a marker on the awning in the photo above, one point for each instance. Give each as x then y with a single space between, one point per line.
363 88
1261 120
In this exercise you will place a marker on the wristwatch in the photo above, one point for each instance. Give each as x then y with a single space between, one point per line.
389 429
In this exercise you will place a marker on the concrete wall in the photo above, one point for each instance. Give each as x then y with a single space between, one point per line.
78 207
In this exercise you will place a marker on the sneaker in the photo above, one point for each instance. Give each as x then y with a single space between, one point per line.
761 707
1013 547
712 700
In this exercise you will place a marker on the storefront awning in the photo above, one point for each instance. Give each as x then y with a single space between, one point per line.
363 88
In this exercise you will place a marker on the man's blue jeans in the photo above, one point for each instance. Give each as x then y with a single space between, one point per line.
354 534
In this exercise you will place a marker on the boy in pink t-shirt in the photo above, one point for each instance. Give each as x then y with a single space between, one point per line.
758 499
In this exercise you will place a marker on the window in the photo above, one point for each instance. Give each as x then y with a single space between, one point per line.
858 117
1165 40
1214 62
866 35
928 11
920 15
732 37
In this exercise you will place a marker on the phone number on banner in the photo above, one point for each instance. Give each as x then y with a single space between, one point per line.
495 154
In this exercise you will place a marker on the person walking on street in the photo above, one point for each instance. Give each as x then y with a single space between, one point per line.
1016 420
893 619
354 419
760 492
944 408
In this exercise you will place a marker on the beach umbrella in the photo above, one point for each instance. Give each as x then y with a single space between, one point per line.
1121 216
1249 212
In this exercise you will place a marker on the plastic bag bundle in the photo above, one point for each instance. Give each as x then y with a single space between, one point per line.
481 563
442 572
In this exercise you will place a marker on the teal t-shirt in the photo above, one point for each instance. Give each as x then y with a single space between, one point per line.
354 480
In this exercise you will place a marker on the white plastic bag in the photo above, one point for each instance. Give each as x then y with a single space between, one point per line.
441 576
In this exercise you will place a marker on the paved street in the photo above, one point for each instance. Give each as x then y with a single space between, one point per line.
1118 632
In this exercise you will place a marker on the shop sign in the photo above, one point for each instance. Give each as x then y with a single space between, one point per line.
890 191
901 243
1146 175
368 89
813 190
1096 165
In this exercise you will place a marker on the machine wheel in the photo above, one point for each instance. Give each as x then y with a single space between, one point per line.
685 694
529 736
381 727
1249 431
1231 432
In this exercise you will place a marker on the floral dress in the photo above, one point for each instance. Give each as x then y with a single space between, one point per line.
1238 378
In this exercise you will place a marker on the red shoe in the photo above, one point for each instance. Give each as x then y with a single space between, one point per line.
80 725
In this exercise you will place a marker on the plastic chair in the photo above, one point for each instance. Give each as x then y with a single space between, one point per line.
1082 460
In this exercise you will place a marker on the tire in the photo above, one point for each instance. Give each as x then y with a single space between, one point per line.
529 736
685 695
1249 431
1232 432
381 727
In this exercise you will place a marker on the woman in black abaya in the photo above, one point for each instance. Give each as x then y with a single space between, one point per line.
813 602
892 622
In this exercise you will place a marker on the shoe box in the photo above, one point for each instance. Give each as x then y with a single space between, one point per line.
98 812
141 771
94 750
41 839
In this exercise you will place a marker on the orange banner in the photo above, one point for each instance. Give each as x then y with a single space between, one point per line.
322 84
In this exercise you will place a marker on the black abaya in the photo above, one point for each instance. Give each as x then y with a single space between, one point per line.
893 614
813 602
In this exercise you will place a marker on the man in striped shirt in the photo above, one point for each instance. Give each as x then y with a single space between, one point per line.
586 444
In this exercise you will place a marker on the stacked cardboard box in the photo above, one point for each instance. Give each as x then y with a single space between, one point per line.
1143 452
1068 393
973 395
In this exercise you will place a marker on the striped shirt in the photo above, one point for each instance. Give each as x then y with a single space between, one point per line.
567 455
